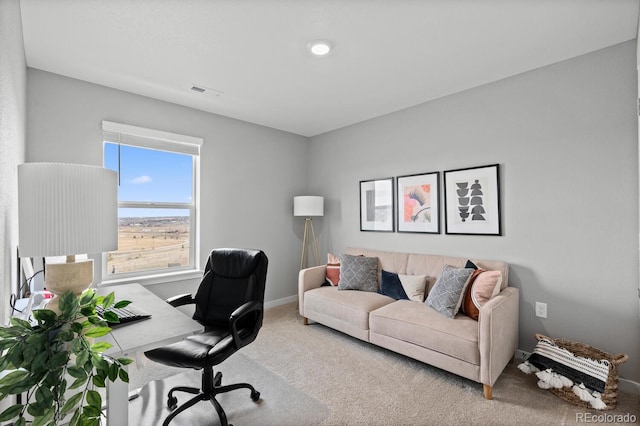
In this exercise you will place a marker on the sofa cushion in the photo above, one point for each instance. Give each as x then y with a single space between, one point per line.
422 325
350 306
358 273
446 295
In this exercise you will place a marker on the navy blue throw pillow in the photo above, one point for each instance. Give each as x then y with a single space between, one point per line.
392 287
471 265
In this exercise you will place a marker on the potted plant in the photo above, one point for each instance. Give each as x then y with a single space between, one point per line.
40 360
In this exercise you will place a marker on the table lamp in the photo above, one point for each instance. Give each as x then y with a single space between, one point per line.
308 206
65 210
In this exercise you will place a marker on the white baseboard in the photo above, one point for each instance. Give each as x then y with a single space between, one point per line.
283 301
628 386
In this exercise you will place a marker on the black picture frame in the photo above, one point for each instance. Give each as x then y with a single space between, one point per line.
376 205
472 201
418 203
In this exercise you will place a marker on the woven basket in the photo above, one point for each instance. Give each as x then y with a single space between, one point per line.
610 394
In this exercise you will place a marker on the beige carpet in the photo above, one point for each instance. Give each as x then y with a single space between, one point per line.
344 381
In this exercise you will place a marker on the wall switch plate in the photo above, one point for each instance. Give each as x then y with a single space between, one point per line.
541 309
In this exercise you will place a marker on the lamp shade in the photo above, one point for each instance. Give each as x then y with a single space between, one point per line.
66 209
308 206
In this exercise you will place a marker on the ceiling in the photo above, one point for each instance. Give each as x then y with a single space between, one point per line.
252 55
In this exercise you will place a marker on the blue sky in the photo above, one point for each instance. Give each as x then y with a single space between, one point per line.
151 175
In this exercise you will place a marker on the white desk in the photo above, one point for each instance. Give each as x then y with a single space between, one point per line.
166 325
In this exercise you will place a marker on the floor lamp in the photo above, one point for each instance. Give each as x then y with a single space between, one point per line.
65 210
308 206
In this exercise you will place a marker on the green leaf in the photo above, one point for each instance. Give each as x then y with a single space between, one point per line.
76 328
44 396
100 346
97 332
75 420
68 304
20 323
20 422
94 399
111 316
125 361
76 372
45 315
108 300
14 377
113 371
65 335
14 355
81 358
87 296
122 304
71 403
58 359
124 376
42 420
11 412
79 382
91 411
98 381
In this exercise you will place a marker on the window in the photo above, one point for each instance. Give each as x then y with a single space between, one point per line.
157 200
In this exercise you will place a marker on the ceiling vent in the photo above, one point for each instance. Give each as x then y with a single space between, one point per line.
206 90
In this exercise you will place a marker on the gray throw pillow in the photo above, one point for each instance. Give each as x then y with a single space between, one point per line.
358 273
448 291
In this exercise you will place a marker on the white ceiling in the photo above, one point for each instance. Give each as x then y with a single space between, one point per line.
388 55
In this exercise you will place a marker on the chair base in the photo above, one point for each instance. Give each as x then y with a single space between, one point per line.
211 386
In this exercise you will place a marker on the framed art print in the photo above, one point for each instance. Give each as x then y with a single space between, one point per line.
417 201
472 201
376 205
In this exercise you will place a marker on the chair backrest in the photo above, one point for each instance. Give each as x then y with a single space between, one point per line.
231 278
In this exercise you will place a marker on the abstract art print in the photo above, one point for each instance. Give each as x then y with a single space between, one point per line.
376 205
472 201
418 207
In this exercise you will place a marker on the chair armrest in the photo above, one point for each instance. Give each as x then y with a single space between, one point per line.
498 334
308 279
180 300
237 315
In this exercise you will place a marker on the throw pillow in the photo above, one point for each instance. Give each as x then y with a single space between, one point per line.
391 286
448 291
333 269
414 286
482 287
358 273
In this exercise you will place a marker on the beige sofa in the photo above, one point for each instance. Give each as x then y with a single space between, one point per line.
478 350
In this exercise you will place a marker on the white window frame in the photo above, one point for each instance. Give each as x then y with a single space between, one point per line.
125 134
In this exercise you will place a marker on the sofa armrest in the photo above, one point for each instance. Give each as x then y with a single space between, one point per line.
308 279
498 334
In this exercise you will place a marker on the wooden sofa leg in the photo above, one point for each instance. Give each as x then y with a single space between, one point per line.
487 391
305 321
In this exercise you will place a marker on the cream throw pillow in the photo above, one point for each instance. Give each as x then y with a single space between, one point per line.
414 286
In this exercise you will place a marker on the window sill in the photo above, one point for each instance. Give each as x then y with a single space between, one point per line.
162 278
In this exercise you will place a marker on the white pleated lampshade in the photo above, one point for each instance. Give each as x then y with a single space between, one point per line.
66 209
308 206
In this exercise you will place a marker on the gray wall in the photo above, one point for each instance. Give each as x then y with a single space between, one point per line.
13 84
249 173
566 139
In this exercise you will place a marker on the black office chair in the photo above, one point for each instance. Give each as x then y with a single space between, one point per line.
229 303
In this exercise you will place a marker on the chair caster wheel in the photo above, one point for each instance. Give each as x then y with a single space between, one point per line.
172 403
255 395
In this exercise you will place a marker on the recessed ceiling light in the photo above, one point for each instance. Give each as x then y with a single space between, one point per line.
320 47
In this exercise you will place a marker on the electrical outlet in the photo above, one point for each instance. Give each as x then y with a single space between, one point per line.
541 309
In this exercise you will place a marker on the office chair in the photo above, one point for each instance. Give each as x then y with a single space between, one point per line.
229 303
